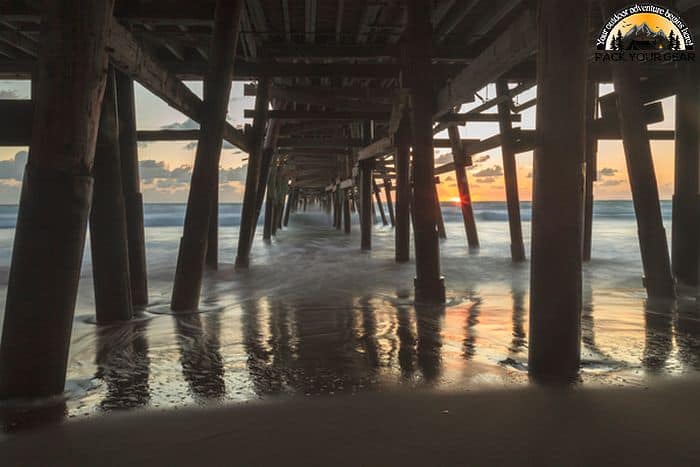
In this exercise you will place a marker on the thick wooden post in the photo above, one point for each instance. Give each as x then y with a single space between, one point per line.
267 222
249 215
591 167
442 233
510 174
338 200
389 201
555 279
108 231
346 213
55 201
403 192
212 258
429 284
685 244
291 199
378 199
204 184
465 199
131 188
366 167
640 171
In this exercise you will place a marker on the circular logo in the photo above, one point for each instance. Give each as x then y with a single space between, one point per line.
645 27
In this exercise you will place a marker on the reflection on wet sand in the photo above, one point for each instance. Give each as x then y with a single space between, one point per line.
687 325
123 365
658 332
358 343
429 345
407 342
202 365
519 341
470 331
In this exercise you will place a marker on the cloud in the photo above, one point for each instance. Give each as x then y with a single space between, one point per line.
529 175
449 178
611 182
444 158
188 124
13 169
192 145
607 172
9 94
233 175
487 180
495 171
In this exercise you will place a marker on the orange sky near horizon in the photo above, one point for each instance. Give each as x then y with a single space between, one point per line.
485 177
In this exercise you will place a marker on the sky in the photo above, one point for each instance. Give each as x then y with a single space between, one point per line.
166 166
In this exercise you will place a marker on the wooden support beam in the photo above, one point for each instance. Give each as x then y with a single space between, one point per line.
591 158
685 244
389 201
291 199
378 199
366 204
108 227
320 142
323 114
442 233
55 202
658 279
368 94
555 278
16 122
131 58
131 188
250 196
454 19
513 46
458 155
510 173
204 184
429 284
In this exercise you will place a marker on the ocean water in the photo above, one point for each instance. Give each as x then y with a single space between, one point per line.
316 317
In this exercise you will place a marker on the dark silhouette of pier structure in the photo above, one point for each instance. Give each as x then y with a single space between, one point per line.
349 96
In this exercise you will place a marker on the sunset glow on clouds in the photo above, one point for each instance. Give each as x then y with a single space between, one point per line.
166 166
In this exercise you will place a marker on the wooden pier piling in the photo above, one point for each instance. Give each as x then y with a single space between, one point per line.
250 197
658 279
108 226
378 199
131 183
389 201
403 192
204 184
55 201
685 245
465 200
429 283
510 173
591 167
212 257
366 168
556 274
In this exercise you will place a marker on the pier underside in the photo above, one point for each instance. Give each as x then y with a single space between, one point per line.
352 98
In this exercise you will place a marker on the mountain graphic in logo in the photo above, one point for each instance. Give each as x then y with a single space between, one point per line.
642 37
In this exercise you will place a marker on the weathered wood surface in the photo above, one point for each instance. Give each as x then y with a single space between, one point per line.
556 272
204 183
55 201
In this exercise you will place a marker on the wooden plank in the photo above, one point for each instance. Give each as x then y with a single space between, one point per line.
513 46
131 58
323 115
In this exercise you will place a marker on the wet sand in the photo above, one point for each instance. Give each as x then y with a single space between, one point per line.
315 316
531 426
